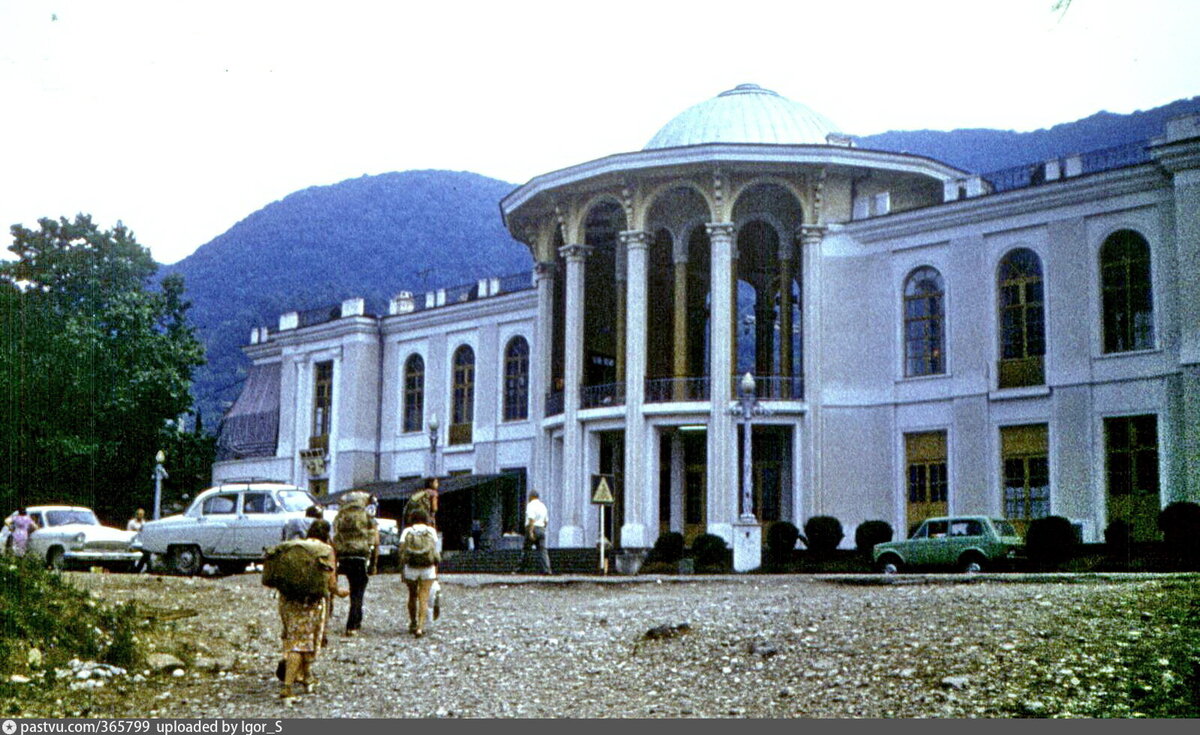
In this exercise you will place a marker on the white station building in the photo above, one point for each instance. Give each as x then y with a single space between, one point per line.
922 340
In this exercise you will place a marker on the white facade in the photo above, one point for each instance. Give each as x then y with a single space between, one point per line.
924 340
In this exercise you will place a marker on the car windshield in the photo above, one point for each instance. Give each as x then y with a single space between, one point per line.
1004 528
64 517
294 500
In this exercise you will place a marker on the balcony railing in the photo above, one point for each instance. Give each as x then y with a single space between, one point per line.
773 387
608 394
666 390
554 403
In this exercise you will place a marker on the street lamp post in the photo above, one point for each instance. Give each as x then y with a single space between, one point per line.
747 533
159 475
433 442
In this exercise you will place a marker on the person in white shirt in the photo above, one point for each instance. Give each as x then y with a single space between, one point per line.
536 519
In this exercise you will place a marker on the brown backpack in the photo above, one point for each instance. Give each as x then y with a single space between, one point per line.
299 569
353 534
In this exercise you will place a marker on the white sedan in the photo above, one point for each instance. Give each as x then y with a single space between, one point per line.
229 526
73 536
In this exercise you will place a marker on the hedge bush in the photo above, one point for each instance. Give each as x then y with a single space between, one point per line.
1180 526
710 550
1050 540
870 533
668 548
1117 538
823 533
780 542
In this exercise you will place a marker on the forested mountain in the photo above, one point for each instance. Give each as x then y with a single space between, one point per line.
371 237
419 230
983 150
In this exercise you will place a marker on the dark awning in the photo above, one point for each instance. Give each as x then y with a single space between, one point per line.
403 489
251 428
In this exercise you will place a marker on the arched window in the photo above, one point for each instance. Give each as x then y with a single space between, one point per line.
414 393
924 323
1021 319
1128 309
516 380
463 409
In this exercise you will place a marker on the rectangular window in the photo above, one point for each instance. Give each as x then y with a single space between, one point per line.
928 479
1025 463
1131 448
512 500
322 398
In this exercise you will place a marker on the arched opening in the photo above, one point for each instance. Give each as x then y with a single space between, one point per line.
463 405
660 311
1022 320
924 327
516 379
603 317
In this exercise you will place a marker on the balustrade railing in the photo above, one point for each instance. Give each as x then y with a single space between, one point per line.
773 387
554 403
666 390
608 394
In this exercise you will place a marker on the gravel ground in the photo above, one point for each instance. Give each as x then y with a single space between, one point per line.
787 646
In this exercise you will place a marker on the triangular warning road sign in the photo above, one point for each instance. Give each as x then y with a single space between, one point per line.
602 493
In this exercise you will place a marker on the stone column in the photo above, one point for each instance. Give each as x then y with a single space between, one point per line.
539 375
722 495
681 368
811 237
575 500
637 480
678 478
621 317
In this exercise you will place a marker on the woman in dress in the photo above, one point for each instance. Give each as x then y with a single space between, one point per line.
21 525
304 623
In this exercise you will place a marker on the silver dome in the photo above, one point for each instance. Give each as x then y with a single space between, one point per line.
745 114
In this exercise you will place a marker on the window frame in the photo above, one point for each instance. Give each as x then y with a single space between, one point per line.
516 380
933 356
1021 335
412 412
322 402
1118 339
462 395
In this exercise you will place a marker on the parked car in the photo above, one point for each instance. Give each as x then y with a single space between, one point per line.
229 525
72 536
968 543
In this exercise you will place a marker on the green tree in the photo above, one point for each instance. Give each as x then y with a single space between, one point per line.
94 363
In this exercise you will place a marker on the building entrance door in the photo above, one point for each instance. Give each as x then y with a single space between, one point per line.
695 484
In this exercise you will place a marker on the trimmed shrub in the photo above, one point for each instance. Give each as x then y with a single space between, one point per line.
1180 526
870 533
667 548
710 550
1050 540
823 533
780 542
1117 538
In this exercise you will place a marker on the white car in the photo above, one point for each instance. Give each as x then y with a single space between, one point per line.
229 525
72 536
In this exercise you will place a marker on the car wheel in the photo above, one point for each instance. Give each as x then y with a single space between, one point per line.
888 564
187 560
971 564
56 558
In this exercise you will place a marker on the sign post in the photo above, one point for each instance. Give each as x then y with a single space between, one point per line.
602 495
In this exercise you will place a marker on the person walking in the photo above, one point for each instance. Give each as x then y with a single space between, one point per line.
355 539
419 557
303 621
21 526
425 499
536 520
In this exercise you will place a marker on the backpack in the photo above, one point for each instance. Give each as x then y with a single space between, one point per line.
299 569
352 528
420 547
422 499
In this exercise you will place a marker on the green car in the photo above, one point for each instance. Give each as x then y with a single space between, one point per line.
967 543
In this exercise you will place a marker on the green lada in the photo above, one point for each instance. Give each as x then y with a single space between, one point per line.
967 543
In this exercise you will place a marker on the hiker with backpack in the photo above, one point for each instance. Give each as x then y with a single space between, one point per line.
303 572
356 541
425 499
419 557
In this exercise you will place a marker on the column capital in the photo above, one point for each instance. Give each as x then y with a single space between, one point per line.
574 253
720 229
812 234
544 271
634 239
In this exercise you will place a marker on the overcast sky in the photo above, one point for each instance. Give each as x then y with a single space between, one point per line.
182 118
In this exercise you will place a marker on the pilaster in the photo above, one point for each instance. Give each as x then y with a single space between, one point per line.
539 374
811 237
